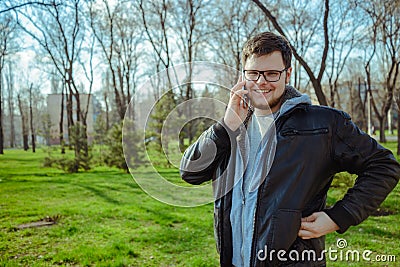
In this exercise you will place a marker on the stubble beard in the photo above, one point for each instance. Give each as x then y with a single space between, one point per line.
270 105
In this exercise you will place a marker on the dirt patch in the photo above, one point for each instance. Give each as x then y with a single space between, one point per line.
46 221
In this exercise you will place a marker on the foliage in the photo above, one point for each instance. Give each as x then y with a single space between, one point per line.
114 155
162 108
79 141
63 163
80 160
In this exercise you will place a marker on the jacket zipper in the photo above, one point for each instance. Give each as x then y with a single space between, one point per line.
305 132
243 207
278 122
253 242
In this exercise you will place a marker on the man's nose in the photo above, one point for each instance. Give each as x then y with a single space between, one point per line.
262 80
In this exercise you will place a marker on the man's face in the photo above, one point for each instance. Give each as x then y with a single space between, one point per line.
264 95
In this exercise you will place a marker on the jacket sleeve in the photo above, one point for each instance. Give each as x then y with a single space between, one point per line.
376 167
201 159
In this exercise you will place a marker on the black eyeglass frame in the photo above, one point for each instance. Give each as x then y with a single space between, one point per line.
263 74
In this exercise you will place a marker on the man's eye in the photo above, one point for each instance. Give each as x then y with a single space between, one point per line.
272 73
252 73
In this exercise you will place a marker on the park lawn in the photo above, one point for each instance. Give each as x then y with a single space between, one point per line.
107 220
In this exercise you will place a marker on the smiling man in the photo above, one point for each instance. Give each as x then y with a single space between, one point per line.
271 196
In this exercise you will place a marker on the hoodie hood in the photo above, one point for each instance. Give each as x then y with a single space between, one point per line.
292 98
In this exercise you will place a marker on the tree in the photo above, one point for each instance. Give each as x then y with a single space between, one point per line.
302 19
33 136
386 40
315 79
12 6
186 18
9 77
62 46
343 27
7 37
24 122
119 38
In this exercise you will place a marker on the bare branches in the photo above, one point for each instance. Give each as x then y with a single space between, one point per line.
316 81
31 3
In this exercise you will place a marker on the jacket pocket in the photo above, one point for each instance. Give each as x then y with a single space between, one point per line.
285 225
294 132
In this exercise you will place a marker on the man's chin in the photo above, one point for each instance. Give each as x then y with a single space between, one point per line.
264 107
269 106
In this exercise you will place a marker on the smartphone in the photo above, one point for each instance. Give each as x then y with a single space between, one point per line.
246 100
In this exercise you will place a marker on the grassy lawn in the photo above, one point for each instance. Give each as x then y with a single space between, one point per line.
105 219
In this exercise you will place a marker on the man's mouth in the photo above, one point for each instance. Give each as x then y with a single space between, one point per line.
263 91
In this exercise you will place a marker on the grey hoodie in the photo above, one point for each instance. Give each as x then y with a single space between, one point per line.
254 160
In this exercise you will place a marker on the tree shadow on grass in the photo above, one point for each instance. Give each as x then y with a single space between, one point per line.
100 193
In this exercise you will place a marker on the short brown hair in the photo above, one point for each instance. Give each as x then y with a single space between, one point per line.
265 43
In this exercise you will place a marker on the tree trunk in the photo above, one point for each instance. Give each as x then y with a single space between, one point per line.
107 112
10 87
24 126
315 79
382 122
69 117
398 134
31 120
1 119
61 125
12 126
11 111
1 107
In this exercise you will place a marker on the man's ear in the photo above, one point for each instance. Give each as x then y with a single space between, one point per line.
288 73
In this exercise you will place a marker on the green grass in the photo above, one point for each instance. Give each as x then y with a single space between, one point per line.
107 220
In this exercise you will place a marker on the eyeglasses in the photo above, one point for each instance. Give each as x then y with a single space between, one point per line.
269 75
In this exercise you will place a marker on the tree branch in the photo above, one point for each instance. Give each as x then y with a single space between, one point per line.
27 4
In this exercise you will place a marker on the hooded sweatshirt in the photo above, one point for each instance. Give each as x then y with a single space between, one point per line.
256 158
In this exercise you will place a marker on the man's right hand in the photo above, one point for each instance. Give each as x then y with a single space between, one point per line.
237 109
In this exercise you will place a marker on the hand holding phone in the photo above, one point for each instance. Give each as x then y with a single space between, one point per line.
246 100
238 106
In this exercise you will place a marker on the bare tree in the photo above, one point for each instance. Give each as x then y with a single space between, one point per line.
386 40
343 26
302 19
230 24
12 5
154 16
58 29
315 79
33 136
119 37
24 122
10 99
7 31
185 19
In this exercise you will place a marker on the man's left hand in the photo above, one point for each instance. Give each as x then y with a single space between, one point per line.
316 225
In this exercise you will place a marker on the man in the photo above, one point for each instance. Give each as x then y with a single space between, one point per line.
271 201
